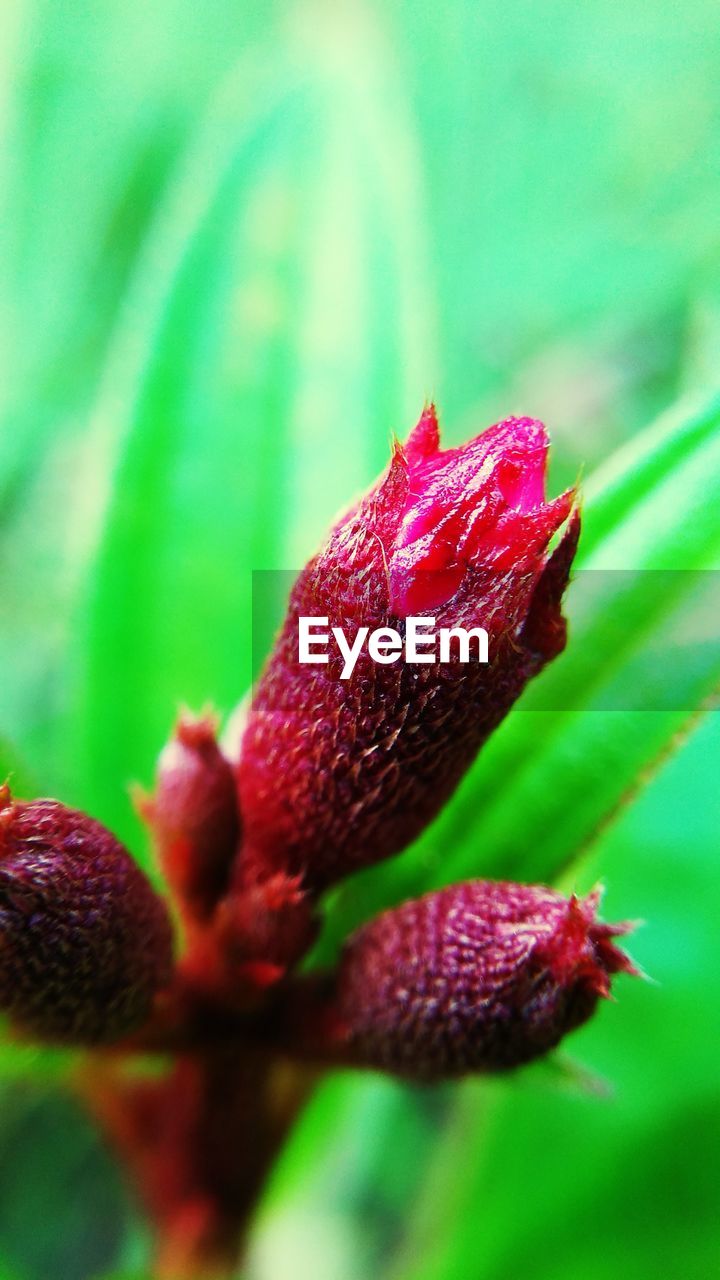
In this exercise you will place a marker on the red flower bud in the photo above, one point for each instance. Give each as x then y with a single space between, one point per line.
481 976
366 762
85 943
268 923
193 815
258 932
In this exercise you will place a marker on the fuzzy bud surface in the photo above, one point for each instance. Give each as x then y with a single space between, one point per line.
481 976
85 942
335 774
193 815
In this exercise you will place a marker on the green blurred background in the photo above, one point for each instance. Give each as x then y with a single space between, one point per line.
241 244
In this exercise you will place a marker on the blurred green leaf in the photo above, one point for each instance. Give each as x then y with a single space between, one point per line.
10 768
53 1163
20 1061
571 199
237 383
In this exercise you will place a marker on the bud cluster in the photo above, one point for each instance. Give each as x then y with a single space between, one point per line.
339 766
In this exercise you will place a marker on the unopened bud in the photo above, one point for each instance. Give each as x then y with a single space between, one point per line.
85 942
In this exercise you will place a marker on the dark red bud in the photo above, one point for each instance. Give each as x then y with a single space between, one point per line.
481 976
257 934
267 921
193 815
366 762
85 942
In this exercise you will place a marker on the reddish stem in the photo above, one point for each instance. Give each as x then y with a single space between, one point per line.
198 1144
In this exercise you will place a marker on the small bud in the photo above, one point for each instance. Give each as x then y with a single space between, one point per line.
269 922
257 934
193 815
461 536
481 976
85 942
